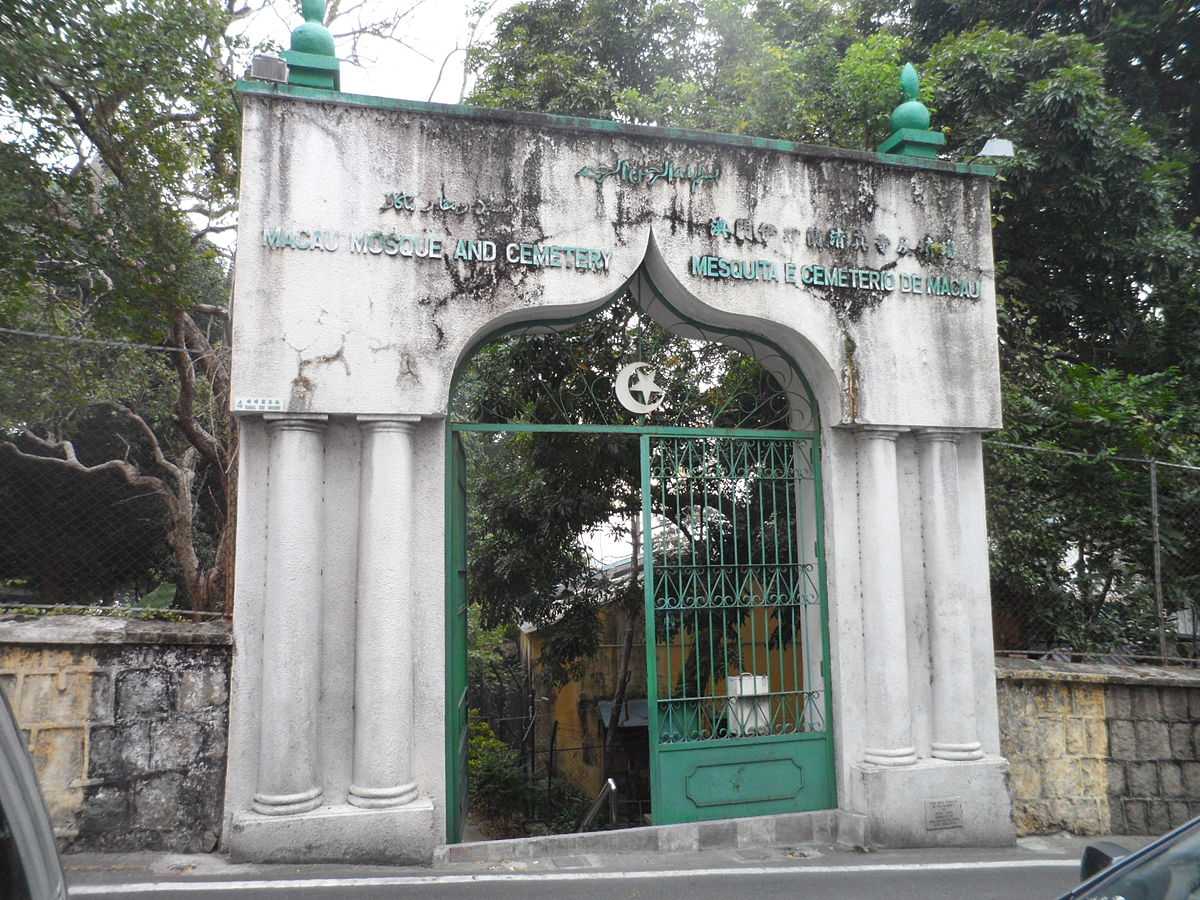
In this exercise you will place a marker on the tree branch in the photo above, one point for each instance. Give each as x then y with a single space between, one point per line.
160 459
70 462
185 413
79 114
209 310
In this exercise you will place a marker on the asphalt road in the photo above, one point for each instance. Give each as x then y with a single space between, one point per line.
864 879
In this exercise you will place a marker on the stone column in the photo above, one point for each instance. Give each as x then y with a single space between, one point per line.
287 767
383 676
889 739
955 735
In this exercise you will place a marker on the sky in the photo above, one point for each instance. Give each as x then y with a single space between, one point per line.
409 71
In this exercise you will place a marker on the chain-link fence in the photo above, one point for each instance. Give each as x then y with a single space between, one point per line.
104 502
1093 556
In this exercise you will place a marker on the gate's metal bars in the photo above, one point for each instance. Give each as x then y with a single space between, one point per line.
767 577
746 599
793 556
814 451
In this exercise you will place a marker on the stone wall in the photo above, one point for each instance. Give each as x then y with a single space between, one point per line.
126 722
1098 749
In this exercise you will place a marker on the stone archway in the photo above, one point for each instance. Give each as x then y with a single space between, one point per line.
777 625
383 239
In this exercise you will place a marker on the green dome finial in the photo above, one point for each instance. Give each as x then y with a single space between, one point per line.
313 36
910 122
912 113
910 82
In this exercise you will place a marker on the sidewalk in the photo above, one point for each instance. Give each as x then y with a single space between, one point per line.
130 868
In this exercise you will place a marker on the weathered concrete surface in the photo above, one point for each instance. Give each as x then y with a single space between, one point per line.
127 727
373 332
1099 749
938 803
374 328
759 833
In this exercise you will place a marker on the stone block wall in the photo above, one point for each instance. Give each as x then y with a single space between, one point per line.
126 723
1100 749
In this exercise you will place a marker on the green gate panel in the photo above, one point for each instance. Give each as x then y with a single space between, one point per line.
736 617
756 779
760 779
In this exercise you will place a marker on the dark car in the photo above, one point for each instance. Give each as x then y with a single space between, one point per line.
29 865
1167 869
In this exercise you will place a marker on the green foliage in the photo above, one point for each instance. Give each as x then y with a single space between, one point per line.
1148 51
867 90
572 56
1071 536
506 802
533 496
1097 263
115 119
497 784
118 156
561 806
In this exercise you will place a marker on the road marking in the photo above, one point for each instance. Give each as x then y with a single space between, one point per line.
300 884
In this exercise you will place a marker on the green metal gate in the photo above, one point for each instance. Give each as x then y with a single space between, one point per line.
736 621
456 638
737 644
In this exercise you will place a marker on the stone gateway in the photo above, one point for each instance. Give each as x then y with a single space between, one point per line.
390 239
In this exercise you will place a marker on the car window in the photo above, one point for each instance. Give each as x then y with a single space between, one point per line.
1171 874
15 886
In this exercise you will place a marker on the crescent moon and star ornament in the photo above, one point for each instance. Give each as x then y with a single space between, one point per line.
638 378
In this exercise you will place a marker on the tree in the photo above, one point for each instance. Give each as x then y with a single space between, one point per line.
1071 534
536 495
118 162
1083 160
118 175
1149 52
573 56
1098 268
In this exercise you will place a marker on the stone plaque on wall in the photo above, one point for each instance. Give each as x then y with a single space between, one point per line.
944 813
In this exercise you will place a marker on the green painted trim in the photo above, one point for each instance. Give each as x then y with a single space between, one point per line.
310 60
656 430
755 740
813 406
823 587
656 782
913 142
454 526
448 522
755 338
604 126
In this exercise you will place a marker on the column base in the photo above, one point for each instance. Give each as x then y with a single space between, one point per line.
957 752
936 803
381 798
337 833
900 756
287 804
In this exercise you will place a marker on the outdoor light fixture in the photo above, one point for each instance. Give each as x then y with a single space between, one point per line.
269 68
995 148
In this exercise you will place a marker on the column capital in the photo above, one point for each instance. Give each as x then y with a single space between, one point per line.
296 421
879 432
398 422
945 435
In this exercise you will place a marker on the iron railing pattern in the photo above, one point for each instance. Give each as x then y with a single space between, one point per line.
736 605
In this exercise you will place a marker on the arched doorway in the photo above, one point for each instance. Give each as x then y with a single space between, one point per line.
716 448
